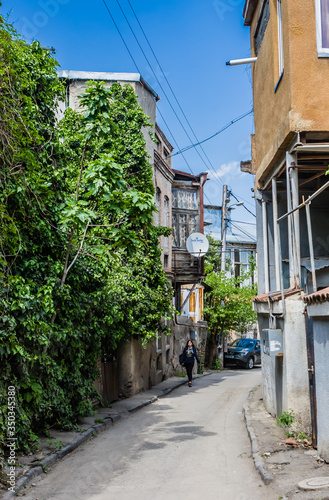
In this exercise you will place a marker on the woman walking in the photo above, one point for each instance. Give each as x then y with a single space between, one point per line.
188 355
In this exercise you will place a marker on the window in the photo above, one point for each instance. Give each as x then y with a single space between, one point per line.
184 199
280 38
158 205
183 225
166 153
262 25
166 221
322 27
242 264
158 143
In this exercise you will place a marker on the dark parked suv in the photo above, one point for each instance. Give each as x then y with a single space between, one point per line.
243 352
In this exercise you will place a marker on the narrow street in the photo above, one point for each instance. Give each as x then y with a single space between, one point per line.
191 444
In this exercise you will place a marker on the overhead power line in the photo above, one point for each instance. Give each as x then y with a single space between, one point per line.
242 231
117 27
199 143
132 57
167 81
157 79
237 199
242 222
215 134
220 183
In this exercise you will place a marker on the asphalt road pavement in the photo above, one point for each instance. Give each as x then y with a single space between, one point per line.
192 444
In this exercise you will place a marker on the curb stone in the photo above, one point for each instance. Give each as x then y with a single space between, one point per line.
144 403
88 434
266 476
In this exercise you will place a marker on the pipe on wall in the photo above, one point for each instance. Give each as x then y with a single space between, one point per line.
265 245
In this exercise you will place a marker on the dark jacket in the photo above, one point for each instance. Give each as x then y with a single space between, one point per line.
189 355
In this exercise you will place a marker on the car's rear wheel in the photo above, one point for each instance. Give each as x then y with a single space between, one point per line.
250 363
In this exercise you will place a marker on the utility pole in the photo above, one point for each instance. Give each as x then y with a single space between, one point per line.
224 227
223 340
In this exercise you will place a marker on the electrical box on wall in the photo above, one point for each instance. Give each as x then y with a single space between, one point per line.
272 342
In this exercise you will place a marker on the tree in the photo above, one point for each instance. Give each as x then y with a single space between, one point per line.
79 254
228 301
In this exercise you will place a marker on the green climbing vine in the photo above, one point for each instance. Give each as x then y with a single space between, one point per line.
80 264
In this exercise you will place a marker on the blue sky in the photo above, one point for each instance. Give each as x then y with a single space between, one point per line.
192 41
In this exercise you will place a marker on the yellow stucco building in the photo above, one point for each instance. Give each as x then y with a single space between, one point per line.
289 42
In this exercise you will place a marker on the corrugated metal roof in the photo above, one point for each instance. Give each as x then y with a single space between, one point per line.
317 297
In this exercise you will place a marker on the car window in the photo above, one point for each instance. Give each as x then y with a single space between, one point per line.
244 343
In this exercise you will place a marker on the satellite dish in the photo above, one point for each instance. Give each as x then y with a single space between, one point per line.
197 244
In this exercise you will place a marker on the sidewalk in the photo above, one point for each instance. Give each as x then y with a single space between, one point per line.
282 466
53 449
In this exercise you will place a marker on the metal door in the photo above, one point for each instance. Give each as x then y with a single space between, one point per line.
311 375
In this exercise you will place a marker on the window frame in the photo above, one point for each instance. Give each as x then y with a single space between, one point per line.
158 206
166 222
280 38
176 223
322 51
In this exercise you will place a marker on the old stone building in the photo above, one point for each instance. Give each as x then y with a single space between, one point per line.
134 368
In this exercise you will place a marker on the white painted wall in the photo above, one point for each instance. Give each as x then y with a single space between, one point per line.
295 375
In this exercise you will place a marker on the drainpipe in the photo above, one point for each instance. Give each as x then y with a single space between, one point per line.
276 229
265 246
295 201
292 260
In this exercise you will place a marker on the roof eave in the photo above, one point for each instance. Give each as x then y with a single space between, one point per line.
248 11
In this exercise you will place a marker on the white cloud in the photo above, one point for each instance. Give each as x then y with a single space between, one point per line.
227 170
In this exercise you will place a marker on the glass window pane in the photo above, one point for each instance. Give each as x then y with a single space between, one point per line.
181 199
166 210
174 230
192 226
174 198
244 256
325 23
182 235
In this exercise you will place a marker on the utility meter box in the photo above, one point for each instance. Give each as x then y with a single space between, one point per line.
272 342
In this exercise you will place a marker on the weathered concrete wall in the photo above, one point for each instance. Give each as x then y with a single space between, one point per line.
295 375
147 102
268 371
145 99
285 379
137 367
